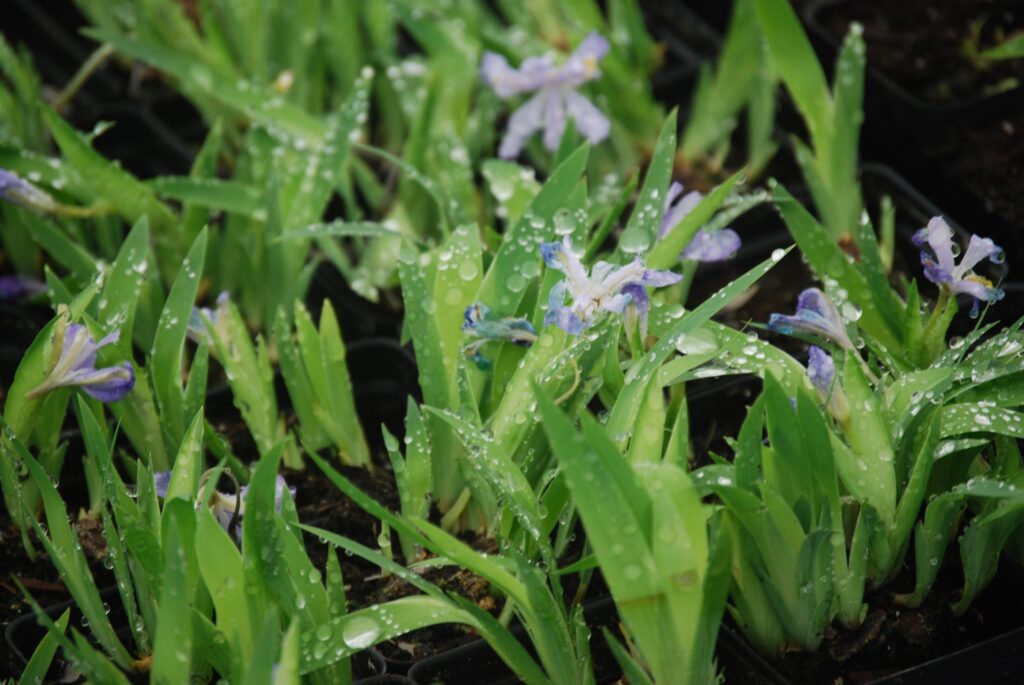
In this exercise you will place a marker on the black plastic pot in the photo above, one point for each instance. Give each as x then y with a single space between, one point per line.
915 119
359 318
926 141
476 664
999 661
384 376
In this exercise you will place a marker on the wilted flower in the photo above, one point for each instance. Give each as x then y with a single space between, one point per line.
706 246
228 509
608 288
17 190
816 315
480 325
555 99
74 364
821 369
958 278
13 287
197 327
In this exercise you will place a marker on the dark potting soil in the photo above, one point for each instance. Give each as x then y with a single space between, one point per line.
919 44
988 158
893 638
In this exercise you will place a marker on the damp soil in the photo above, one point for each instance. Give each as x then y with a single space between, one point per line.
988 159
919 44
893 638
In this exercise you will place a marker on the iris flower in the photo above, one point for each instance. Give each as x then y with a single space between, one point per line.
196 330
555 97
75 365
17 190
479 324
821 369
228 509
954 278
608 288
706 246
816 315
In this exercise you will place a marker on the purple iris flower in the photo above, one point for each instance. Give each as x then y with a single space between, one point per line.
608 288
76 366
13 287
17 190
821 369
815 314
480 325
227 507
555 97
197 327
706 246
958 278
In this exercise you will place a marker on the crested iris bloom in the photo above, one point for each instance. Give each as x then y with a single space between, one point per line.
197 331
555 97
608 288
14 287
706 246
17 190
479 324
228 509
954 278
816 315
821 369
75 365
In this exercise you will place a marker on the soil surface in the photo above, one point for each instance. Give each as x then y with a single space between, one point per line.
894 638
920 44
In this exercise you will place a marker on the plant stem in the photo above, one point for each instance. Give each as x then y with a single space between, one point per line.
96 60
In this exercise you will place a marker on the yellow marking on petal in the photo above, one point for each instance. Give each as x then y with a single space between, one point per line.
975 278
589 66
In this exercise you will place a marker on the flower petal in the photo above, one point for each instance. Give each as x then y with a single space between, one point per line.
162 481
582 64
523 123
712 246
555 118
821 369
109 384
657 278
590 121
977 249
940 239
673 214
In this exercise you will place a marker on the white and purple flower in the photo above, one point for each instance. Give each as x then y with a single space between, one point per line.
480 325
816 315
954 278
555 98
228 509
75 365
706 246
17 190
608 288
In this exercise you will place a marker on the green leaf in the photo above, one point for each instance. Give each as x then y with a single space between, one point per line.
172 642
642 229
168 345
42 657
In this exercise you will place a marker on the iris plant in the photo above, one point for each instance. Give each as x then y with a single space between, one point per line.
555 97
706 246
953 279
74 364
17 190
484 328
608 288
228 509
815 315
